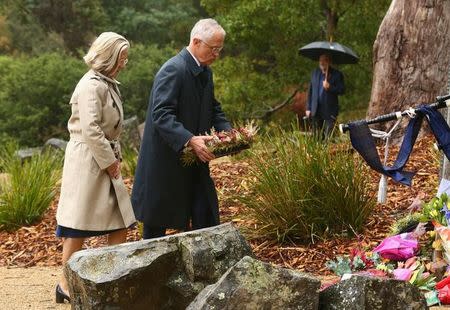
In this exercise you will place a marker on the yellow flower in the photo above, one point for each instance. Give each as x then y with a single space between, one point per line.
382 267
434 213
437 245
431 233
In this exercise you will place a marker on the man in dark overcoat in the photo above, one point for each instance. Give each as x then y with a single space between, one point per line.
182 108
327 83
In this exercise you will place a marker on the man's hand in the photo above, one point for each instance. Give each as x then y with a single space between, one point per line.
197 143
308 113
326 85
114 170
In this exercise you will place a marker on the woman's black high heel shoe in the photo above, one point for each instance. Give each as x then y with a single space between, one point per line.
60 295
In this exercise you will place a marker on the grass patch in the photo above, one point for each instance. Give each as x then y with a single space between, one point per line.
27 189
304 188
129 161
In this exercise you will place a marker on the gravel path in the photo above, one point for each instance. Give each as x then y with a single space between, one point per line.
29 288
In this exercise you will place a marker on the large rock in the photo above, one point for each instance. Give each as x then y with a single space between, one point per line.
58 144
370 293
164 273
252 284
25 154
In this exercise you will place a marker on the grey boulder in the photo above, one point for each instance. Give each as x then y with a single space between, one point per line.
253 285
371 293
56 143
164 273
25 154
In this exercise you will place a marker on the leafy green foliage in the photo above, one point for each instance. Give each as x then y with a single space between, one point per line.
159 22
305 188
340 266
137 78
35 93
358 260
38 26
268 35
35 26
436 210
259 68
26 189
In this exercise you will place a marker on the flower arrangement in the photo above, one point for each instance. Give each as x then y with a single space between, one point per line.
417 252
436 210
224 143
413 270
406 224
358 260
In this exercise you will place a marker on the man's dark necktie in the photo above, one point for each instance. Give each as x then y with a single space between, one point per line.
363 142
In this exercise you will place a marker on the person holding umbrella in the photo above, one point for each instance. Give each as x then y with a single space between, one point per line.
327 83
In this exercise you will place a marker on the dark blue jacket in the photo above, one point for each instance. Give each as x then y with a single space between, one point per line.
330 107
180 107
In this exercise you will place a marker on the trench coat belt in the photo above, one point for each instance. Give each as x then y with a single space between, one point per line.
115 144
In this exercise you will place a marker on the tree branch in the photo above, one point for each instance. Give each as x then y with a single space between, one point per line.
272 110
346 10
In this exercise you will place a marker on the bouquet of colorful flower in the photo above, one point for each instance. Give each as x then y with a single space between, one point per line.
224 143
436 210
415 272
398 247
357 261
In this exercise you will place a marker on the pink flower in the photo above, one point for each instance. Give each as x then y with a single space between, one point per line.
403 274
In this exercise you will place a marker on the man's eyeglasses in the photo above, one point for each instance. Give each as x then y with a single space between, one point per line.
214 49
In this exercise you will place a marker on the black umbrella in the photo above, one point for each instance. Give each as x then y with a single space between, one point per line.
340 54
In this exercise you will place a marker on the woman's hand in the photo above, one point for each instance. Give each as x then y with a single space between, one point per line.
114 170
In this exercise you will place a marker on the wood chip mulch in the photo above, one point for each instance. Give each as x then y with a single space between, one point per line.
37 245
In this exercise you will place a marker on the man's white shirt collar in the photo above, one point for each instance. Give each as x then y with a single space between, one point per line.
198 63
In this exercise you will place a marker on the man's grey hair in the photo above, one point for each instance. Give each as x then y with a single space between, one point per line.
205 29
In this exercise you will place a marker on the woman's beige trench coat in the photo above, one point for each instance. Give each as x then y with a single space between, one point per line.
90 199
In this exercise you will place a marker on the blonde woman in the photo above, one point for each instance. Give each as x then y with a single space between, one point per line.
94 200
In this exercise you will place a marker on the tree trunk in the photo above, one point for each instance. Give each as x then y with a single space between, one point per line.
332 19
411 56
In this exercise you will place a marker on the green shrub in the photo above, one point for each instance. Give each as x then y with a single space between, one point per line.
28 188
129 161
35 94
35 91
305 188
137 77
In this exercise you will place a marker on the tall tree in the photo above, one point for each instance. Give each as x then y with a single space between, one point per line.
333 10
158 22
75 22
411 55
5 36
